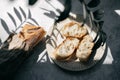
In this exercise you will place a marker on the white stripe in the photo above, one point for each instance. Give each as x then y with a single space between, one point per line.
117 11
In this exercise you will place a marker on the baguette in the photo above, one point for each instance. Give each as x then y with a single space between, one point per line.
66 49
74 29
85 48
31 34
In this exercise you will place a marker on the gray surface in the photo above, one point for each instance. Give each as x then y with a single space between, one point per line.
38 67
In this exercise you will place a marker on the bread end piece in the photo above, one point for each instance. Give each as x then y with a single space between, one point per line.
32 34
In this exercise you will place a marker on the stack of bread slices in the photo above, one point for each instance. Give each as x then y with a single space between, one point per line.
77 45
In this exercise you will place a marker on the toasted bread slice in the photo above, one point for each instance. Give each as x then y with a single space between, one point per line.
85 48
66 48
74 29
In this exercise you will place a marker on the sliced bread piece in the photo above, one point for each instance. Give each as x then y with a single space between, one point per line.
85 48
74 29
66 48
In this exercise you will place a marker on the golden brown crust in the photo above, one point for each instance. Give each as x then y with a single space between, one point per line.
66 49
85 48
31 34
74 29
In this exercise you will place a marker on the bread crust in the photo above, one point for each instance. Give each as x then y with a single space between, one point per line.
85 48
66 49
32 34
74 29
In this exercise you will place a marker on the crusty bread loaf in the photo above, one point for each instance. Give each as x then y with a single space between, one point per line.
66 48
31 34
85 48
74 29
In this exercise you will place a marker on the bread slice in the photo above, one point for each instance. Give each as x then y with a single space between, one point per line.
85 48
74 29
66 48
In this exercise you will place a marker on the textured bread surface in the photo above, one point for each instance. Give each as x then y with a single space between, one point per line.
66 48
78 43
74 29
85 48
32 34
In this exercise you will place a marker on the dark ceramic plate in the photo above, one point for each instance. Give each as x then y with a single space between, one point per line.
55 38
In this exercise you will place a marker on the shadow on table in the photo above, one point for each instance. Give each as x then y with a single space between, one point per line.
10 61
30 2
0 42
50 13
43 68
